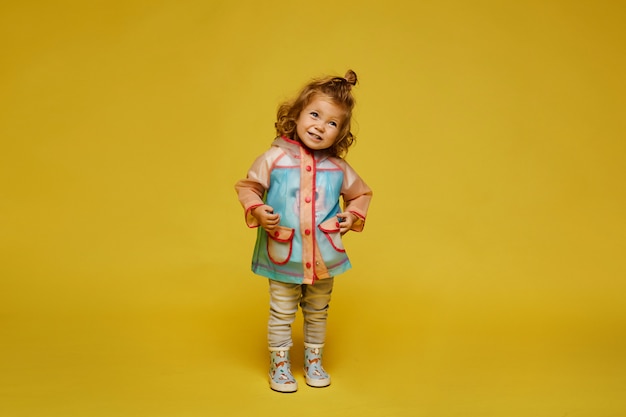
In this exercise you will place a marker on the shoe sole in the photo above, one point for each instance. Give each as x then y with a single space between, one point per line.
286 388
317 383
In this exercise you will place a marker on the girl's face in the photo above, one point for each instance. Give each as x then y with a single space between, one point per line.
319 123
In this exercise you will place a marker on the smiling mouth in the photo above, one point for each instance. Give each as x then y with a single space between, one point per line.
314 136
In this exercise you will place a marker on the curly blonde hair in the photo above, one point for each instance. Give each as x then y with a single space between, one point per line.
340 92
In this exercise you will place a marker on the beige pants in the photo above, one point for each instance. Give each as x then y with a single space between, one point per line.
284 301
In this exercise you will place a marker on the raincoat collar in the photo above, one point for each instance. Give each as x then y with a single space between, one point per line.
293 148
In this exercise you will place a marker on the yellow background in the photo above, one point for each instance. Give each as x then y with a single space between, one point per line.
489 280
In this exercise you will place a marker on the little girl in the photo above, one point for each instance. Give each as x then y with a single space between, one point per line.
293 193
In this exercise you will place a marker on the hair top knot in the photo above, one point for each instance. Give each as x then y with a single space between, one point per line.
350 77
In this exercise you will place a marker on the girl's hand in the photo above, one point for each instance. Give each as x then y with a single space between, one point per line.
346 220
266 217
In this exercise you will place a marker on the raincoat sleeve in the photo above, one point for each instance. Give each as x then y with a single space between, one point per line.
356 196
251 190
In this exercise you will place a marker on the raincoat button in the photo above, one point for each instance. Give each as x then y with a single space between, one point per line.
308 264
307 232
308 168
307 199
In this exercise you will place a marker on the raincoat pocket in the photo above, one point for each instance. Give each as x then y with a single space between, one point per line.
280 244
330 229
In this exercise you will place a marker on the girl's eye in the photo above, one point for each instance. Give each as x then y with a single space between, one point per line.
314 114
333 124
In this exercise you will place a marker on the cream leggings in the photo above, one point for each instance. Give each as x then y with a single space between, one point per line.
284 300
